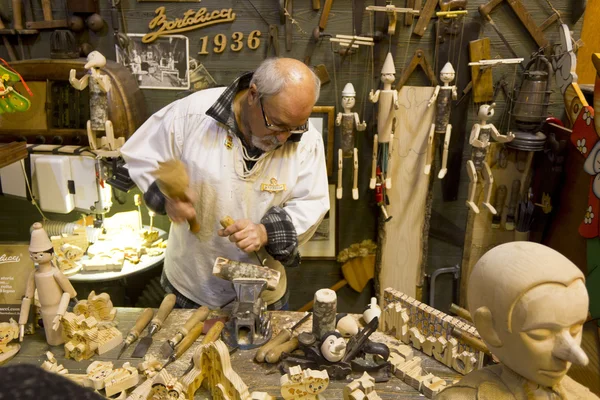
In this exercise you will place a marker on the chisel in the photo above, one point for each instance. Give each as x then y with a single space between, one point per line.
199 315
163 312
227 221
283 337
185 343
212 335
139 326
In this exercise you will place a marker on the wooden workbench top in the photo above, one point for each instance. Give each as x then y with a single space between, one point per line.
258 377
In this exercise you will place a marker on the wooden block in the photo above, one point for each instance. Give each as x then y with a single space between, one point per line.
121 379
425 16
12 152
483 85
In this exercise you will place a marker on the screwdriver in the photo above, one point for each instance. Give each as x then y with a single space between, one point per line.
283 337
227 221
134 333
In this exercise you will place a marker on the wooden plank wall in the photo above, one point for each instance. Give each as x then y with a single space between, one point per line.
357 219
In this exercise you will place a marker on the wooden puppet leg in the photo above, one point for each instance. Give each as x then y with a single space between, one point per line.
472 186
355 180
110 135
339 192
374 163
91 136
444 169
388 175
429 158
488 180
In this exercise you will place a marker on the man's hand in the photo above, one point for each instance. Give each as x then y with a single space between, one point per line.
246 235
179 210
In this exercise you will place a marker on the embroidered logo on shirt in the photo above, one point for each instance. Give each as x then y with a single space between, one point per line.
229 142
273 187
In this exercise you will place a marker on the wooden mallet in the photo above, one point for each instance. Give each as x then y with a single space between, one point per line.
173 181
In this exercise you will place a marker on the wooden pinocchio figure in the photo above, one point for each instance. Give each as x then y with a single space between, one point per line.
384 139
441 125
348 120
54 289
480 140
99 85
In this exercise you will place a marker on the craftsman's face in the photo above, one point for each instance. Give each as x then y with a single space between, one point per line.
348 101
447 77
388 78
333 348
546 333
40 257
272 119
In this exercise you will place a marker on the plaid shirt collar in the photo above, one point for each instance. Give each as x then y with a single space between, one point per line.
222 109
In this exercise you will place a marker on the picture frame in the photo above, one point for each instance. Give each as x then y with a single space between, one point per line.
322 245
162 64
323 118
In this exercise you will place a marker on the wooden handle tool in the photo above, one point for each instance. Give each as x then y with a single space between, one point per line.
164 310
283 336
142 321
214 332
47 9
199 315
325 15
274 355
186 343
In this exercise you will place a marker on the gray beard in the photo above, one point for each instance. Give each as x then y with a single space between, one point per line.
267 143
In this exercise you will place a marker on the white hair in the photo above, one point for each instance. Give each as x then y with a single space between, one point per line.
270 79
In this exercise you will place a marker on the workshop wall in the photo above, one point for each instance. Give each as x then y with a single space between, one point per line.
357 220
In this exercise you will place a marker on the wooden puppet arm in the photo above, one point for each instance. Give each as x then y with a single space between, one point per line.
26 304
78 84
64 283
474 138
454 93
501 138
62 309
434 96
395 97
374 96
338 119
359 126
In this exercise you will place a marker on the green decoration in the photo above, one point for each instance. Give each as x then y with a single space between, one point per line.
10 99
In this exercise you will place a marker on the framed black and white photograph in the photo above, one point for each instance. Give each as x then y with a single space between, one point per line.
322 244
323 118
162 64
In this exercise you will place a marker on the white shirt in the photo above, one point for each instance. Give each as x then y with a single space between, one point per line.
223 186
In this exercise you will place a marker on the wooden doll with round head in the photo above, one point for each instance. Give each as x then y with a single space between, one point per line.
442 96
529 304
348 120
54 289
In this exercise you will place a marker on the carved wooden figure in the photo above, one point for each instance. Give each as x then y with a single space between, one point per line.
443 97
121 379
348 120
98 306
333 346
480 140
53 288
361 388
99 85
307 384
8 332
529 304
162 386
383 141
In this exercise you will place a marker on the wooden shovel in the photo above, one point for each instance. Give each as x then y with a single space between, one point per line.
357 273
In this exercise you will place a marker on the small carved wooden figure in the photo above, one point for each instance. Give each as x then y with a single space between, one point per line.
8 332
441 125
348 120
480 140
99 85
54 289
307 384
384 139
529 304
333 346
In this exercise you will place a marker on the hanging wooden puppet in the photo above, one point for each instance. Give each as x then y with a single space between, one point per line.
443 97
11 100
348 120
477 166
387 98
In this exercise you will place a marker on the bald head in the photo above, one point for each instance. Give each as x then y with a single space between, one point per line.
286 76
504 274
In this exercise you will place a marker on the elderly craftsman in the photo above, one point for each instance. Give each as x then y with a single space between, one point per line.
529 304
251 154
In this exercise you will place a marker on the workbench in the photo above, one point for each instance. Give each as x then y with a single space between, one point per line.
258 377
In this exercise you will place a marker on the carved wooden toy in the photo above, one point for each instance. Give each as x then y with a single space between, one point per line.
162 386
348 120
333 347
372 311
480 140
529 304
10 99
98 306
361 388
150 366
94 377
67 257
307 384
121 379
51 365
53 288
8 332
347 326
443 97
99 85
83 337
387 99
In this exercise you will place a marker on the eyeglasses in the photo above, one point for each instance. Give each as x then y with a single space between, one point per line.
294 131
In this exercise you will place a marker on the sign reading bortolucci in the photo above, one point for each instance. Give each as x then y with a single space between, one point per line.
15 267
191 20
